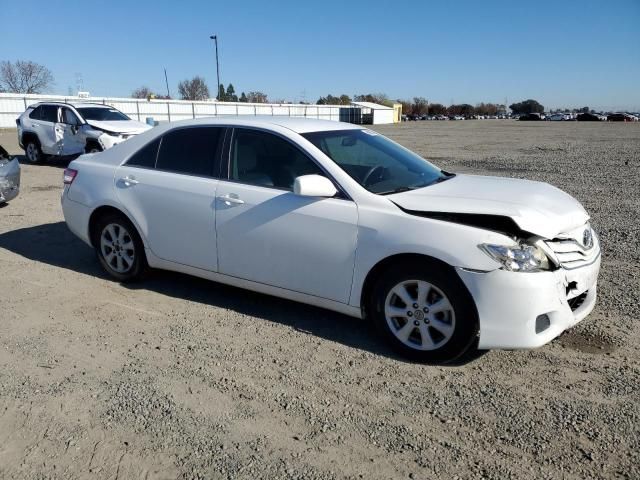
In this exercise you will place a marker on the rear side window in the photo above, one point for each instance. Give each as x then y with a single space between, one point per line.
191 150
49 113
146 156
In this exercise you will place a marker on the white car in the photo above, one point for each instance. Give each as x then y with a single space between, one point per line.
338 216
63 129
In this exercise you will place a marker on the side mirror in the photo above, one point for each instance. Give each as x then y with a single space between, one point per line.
314 186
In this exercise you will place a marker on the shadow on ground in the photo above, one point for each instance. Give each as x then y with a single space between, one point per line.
55 245
59 162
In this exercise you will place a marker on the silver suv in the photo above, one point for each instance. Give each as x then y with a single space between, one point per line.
63 129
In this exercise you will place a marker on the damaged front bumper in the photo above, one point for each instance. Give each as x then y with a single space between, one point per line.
527 310
9 179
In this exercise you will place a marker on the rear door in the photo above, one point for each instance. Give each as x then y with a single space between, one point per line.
42 121
169 188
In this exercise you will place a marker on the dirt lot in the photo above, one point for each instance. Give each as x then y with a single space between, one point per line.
183 378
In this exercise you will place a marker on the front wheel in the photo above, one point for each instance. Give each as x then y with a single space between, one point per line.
119 248
424 312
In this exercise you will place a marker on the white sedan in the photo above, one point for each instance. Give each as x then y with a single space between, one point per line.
338 216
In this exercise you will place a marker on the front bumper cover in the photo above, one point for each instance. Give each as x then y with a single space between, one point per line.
509 303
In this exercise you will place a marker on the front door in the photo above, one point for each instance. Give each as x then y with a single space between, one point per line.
169 188
267 234
68 132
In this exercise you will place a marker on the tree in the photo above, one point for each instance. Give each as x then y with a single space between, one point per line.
243 98
584 110
437 109
257 97
231 96
420 106
24 76
463 109
331 100
194 89
527 106
379 98
142 92
487 109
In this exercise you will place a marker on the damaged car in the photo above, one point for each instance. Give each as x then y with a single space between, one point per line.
9 176
338 216
59 129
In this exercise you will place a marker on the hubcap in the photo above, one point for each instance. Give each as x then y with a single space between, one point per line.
117 248
420 315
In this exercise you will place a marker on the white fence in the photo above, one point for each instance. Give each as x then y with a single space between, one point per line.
12 105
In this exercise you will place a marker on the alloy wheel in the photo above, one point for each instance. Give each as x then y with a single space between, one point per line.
117 248
420 315
32 153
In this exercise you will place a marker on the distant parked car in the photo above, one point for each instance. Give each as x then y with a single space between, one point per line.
531 117
588 117
621 117
62 129
9 176
555 117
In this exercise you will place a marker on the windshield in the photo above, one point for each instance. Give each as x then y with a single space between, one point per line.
375 162
102 114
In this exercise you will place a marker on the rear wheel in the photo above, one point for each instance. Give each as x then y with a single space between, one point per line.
33 152
424 312
119 248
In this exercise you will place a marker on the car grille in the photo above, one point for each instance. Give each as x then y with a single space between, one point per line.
570 254
575 302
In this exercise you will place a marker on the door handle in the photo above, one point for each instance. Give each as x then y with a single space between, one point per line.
229 199
129 181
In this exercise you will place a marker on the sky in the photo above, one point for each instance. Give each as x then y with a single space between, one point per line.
562 53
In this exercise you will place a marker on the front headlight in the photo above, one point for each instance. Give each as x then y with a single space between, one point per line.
518 258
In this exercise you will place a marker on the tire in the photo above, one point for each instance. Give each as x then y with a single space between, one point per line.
33 152
443 326
92 148
119 248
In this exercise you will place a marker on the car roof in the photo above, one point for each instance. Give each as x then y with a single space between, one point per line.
72 104
296 124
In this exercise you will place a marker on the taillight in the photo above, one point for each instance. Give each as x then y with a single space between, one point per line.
69 176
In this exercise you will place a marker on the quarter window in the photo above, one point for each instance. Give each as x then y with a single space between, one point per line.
264 159
146 156
190 150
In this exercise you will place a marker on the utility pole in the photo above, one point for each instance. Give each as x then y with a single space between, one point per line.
166 81
215 39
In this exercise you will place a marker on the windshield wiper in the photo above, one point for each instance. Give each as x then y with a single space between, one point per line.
397 190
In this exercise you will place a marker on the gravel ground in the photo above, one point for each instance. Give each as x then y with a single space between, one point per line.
182 378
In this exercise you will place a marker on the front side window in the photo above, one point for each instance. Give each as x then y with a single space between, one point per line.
191 150
375 162
263 159
102 114
69 117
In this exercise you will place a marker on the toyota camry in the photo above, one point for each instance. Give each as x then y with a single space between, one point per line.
338 216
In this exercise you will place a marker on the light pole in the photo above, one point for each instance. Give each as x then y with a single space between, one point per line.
215 39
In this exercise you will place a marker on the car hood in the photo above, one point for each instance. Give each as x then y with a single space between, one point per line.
130 127
535 207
